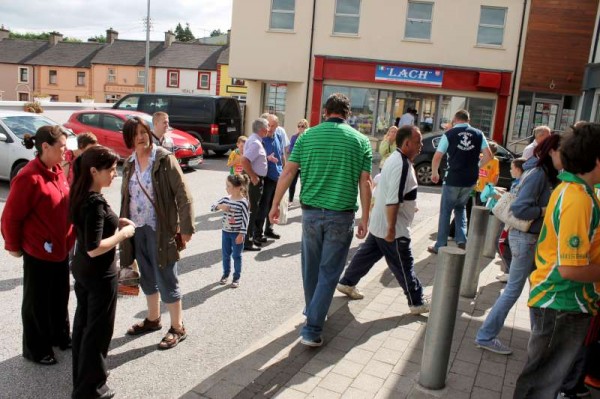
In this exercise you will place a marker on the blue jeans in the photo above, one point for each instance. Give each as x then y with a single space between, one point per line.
231 250
453 198
326 238
522 246
555 341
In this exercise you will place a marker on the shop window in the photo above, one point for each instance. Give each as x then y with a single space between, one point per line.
418 20
238 82
23 75
111 75
362 105
172 78
491 26
482 113
141 77
203 80
80 78
282 14
347 17
52 74
274 96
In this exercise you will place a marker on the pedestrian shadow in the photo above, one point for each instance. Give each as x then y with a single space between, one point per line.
199 261
280 251
10 284
209 221
119 359
198 297
20 378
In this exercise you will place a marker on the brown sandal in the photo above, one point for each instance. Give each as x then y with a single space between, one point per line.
173 337
145 327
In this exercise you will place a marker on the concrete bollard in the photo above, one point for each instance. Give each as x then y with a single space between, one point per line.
494 225
442 317
477 229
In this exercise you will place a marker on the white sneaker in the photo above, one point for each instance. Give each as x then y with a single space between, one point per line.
351 292
424 308
502 277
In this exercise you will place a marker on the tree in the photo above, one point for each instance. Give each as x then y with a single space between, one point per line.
98 39
184 34
216 32
38 36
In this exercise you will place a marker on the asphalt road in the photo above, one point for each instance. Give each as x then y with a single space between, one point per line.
221 322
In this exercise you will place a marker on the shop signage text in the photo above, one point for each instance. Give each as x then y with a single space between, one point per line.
427 77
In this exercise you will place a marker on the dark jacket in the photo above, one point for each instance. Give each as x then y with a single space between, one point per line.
533 195
174 201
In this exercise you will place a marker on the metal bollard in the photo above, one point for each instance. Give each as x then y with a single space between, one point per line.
442 317
477 228
494 225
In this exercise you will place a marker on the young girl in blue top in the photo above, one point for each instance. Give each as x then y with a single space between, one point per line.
235 224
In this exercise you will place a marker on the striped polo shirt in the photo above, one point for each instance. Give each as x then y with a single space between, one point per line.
570 236
332 156
235 220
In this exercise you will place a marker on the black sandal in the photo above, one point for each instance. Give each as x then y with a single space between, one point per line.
47 360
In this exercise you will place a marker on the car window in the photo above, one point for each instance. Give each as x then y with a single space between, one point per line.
228 109
89 119
146 118
22 124
152 104
129 103
112 123
201 109
436 141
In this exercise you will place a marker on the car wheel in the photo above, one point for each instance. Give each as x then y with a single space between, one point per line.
16 169
423 172
220 153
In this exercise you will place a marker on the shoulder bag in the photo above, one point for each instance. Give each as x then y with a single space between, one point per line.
502 209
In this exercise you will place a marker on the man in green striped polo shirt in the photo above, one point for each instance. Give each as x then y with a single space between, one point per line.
336 163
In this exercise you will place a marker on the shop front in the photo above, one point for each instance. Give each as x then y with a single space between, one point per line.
381 92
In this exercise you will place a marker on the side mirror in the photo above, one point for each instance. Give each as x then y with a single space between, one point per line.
3 137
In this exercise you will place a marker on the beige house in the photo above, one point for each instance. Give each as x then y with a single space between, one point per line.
434 56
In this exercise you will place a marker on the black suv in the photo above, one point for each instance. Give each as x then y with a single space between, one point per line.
430 142
214 120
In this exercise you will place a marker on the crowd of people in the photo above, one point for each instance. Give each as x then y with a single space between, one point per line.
558 253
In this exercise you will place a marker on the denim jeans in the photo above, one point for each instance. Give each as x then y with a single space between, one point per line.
555 341
230 250
453 198
523 250
326 238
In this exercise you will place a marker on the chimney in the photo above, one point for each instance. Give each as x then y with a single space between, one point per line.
4 33
169 38
111 35
54 38
228 37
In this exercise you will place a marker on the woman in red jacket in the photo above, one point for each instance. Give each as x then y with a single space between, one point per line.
35 226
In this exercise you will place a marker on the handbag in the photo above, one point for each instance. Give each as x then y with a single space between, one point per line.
283 210
178 238
502 210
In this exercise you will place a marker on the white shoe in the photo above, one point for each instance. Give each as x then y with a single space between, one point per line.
502 277
424 308
351 292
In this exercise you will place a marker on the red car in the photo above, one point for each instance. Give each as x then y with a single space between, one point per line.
107 125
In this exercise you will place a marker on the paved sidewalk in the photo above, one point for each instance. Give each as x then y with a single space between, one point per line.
373 347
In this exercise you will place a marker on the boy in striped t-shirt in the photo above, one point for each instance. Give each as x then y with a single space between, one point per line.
235 225
565 285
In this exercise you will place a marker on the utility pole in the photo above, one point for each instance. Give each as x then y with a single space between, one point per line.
147 63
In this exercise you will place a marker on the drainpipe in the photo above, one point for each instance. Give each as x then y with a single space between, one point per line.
310 54
514 83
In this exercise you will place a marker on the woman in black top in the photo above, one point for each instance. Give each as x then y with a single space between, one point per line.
95 271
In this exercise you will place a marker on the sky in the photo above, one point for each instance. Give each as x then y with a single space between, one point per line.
82 19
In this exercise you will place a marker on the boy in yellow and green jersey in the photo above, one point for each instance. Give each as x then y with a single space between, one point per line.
565 284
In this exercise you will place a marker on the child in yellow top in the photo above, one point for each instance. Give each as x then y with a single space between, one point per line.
490 172
235 158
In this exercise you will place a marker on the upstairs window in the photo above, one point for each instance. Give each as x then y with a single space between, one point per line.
347 17
23 75
112 75
141 77
491 26
172 78
418 20
282 14
80 78
203 80
52 74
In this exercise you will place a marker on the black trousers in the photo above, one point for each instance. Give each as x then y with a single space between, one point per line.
254 195
263 224
44 310
92 331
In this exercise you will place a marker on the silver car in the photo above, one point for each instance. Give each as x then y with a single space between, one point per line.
13 126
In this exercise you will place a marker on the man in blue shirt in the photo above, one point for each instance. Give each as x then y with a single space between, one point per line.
463 144
274 145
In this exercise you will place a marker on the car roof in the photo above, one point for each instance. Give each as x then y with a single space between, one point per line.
20 113
111 111
179 95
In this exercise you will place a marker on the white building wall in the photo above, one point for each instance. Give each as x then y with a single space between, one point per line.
188 82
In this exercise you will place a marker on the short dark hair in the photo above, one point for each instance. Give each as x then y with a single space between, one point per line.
518 163
337 103
129 131
404 133
85 139
580 148
493 147
462 115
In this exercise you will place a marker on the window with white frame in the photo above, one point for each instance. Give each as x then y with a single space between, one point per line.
23 75
172 78
141 77
112 75
80 78
347 17
491 26
418 20
282 14
52 74
203 80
